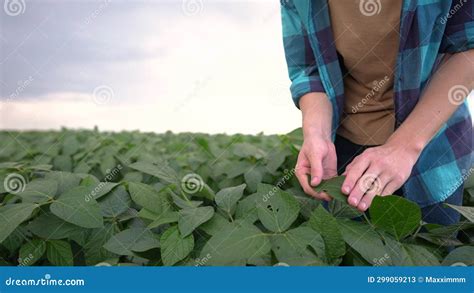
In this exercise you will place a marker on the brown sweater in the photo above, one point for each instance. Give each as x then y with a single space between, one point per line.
368 41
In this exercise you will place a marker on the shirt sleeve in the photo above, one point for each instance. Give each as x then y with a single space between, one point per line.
459 31
302 67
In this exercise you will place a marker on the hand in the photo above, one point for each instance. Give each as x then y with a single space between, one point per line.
378 171
317 158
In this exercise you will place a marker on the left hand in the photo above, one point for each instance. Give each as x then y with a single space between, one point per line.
377 171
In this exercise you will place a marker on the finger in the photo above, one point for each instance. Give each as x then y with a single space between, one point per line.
330 169
366 201
302 175
353 176
324 196
390 188
375 188
316 162
363 185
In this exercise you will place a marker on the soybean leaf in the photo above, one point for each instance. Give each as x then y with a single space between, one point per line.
175 248
163 172
333 188
253 177
59 253
461 256
395 215
94 251
190 219
39 190
74 208
246 209
227 198
132 240
31 252
146 196
467 212
301 246
115 203
327 226
235 244
48 226
363 239
65 180
404 254
276 209
165 218
13 215
215 224
184 204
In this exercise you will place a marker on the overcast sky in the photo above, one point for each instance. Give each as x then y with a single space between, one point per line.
192 65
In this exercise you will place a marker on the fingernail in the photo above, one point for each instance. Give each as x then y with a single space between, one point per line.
353 201
363 205
346 189
314 180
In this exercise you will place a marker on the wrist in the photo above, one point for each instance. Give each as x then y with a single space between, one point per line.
409 145
311 131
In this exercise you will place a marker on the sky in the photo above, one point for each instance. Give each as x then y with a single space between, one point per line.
191 65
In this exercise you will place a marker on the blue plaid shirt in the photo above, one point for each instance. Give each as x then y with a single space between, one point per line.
428 29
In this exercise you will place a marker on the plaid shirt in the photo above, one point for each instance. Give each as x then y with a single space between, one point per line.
428 29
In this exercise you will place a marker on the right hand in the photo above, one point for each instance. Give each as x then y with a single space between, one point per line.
318 159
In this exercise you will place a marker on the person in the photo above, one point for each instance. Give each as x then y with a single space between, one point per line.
382 86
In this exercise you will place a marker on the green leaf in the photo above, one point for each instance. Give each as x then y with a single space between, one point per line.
404 254
322 222
363 239
295 247
59 253
396 215
175 248
65 180
74 208
239 241
253 177
461 256
31 252
467 212
247 208
215 224
333 188
227 198
190 219
13 215
146 196
276 209
39 190
164 218
115 203
48 226
163 172
132 240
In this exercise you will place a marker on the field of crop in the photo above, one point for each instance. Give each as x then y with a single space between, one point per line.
95 198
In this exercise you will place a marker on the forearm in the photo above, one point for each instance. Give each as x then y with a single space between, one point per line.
316 110
434 107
